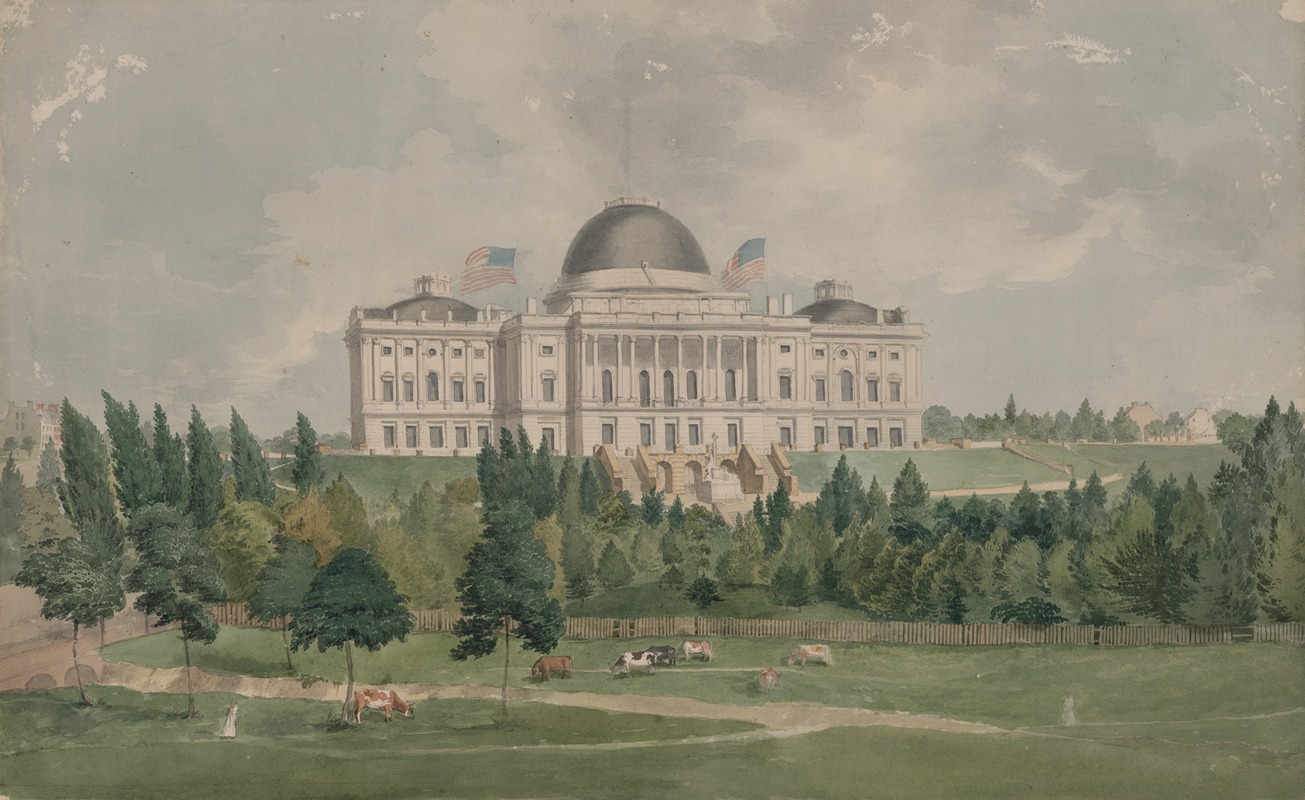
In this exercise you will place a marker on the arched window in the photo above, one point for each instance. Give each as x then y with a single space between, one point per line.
433 386
645 389
668 387
607 386
691 385
731 389
846 390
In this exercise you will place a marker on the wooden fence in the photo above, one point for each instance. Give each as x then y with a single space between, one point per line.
855 631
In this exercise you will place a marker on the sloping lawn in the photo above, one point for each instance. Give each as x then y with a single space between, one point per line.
651 600
941 469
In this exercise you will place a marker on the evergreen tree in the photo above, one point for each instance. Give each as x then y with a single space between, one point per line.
282 585
1082 425
590 490
351 602
47 471
349 513
1010 410
1063 427
670 548
177 577
204 473
652 507
170 453
1141 484
84 491
1123 428
307 470
568 494
416 574
909 506
675 516
544 483
487 468
11 520
1224 589
136 471
1149 573
614 570
791 586
779 509
842 499
703 592
747 551
577 563
253 476
1282 585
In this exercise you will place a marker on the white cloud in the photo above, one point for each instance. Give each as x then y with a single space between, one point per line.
133 64
1087 51
83 80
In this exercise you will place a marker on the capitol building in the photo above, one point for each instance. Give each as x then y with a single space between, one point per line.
639 356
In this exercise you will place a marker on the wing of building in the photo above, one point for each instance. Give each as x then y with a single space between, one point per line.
636 347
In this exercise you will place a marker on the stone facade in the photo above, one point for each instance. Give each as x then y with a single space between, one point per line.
636 344
40 421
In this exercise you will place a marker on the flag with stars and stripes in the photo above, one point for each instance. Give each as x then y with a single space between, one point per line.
747 264
488 266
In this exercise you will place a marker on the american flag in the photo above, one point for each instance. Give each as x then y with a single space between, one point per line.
747 264
488 266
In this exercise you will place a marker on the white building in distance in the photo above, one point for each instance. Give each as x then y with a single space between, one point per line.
637 347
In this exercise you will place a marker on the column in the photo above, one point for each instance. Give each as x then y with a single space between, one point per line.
679 368
655 379
617 381
444 376
741 377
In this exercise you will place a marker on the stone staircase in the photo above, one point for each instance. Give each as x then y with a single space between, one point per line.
622 475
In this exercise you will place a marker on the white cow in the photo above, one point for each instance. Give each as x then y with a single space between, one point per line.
642 659
814 652
700 649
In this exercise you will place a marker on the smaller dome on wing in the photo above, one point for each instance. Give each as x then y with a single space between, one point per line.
840 311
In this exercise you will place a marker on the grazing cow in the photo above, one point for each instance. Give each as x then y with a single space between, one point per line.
815 652
550 665
662 654
699 649
642 659
384 699
768 679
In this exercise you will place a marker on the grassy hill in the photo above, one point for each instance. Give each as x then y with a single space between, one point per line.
650 600
941 469
377 476
1201 460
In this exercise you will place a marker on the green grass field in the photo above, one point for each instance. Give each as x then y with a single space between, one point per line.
651 600
1201 460
377 476
941 469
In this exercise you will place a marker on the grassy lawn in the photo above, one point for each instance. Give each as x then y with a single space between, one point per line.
941 469
138 746
377 476
1005 686
1201 460
651 600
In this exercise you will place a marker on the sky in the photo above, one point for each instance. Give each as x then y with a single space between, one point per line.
1078 200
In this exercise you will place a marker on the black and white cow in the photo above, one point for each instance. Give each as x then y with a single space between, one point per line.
642 659
662 654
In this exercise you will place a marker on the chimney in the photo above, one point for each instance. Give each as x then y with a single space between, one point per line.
786 305
531 307
772 306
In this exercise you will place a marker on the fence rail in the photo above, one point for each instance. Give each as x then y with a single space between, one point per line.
856 631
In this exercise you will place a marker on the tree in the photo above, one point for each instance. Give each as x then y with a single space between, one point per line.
309 521
282 585
614 570
938 424
11 443
841 499
675 516
909 505
242 541
48 470
543 484
505 587
568 494
791 585
349 513
85 492
74 584
1062 427
1031 611
1083 424
747 551
590 490
139 483
307 470
204 471
703 592
1148 572
415 573
779 509
1010 410
351 602
462 491
1123 428
1236 432
577 563
652 507
177 577
170 453
11 520
1283 581
253 476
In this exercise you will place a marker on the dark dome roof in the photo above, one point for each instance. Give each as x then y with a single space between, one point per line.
437 308
626 235
841 310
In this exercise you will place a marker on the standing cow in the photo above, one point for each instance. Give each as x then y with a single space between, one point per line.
662 654
768 679
813 652
700 649
642 659
551 665
381 699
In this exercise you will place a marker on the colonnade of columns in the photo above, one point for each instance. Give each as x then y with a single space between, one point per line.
709 366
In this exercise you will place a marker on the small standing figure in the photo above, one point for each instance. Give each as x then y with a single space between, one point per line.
229 727
1067 712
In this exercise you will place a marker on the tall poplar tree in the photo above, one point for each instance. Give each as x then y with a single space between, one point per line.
134 466
203 472
11 518
253 476
307 470
170 453
590 490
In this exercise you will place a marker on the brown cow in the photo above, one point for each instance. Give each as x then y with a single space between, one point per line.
384 699
814 652
768 679
692 648
547 665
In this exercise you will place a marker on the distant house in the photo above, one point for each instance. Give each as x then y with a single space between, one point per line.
1143 414
1200 426
38 420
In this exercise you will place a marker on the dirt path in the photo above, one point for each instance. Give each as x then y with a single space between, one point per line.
779 718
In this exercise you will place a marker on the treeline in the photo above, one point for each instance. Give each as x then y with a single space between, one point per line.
1086 424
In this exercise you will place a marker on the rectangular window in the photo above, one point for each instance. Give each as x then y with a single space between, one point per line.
785 387
436 437
482 434
894 392
459 394
695 433
845 435
820 388
457 352
820 352
389 434
894 356
387 351
460 436
872 437
546 349
645 433
786 436
670 436
895 437
820 434
410 436
609 433
409 392
432 386
732 435
480 352
548 384
872 354
407 351
784 348
550 439
872 390
387 390
480 391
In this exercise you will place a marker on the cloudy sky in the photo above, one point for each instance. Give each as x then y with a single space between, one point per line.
1098 200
